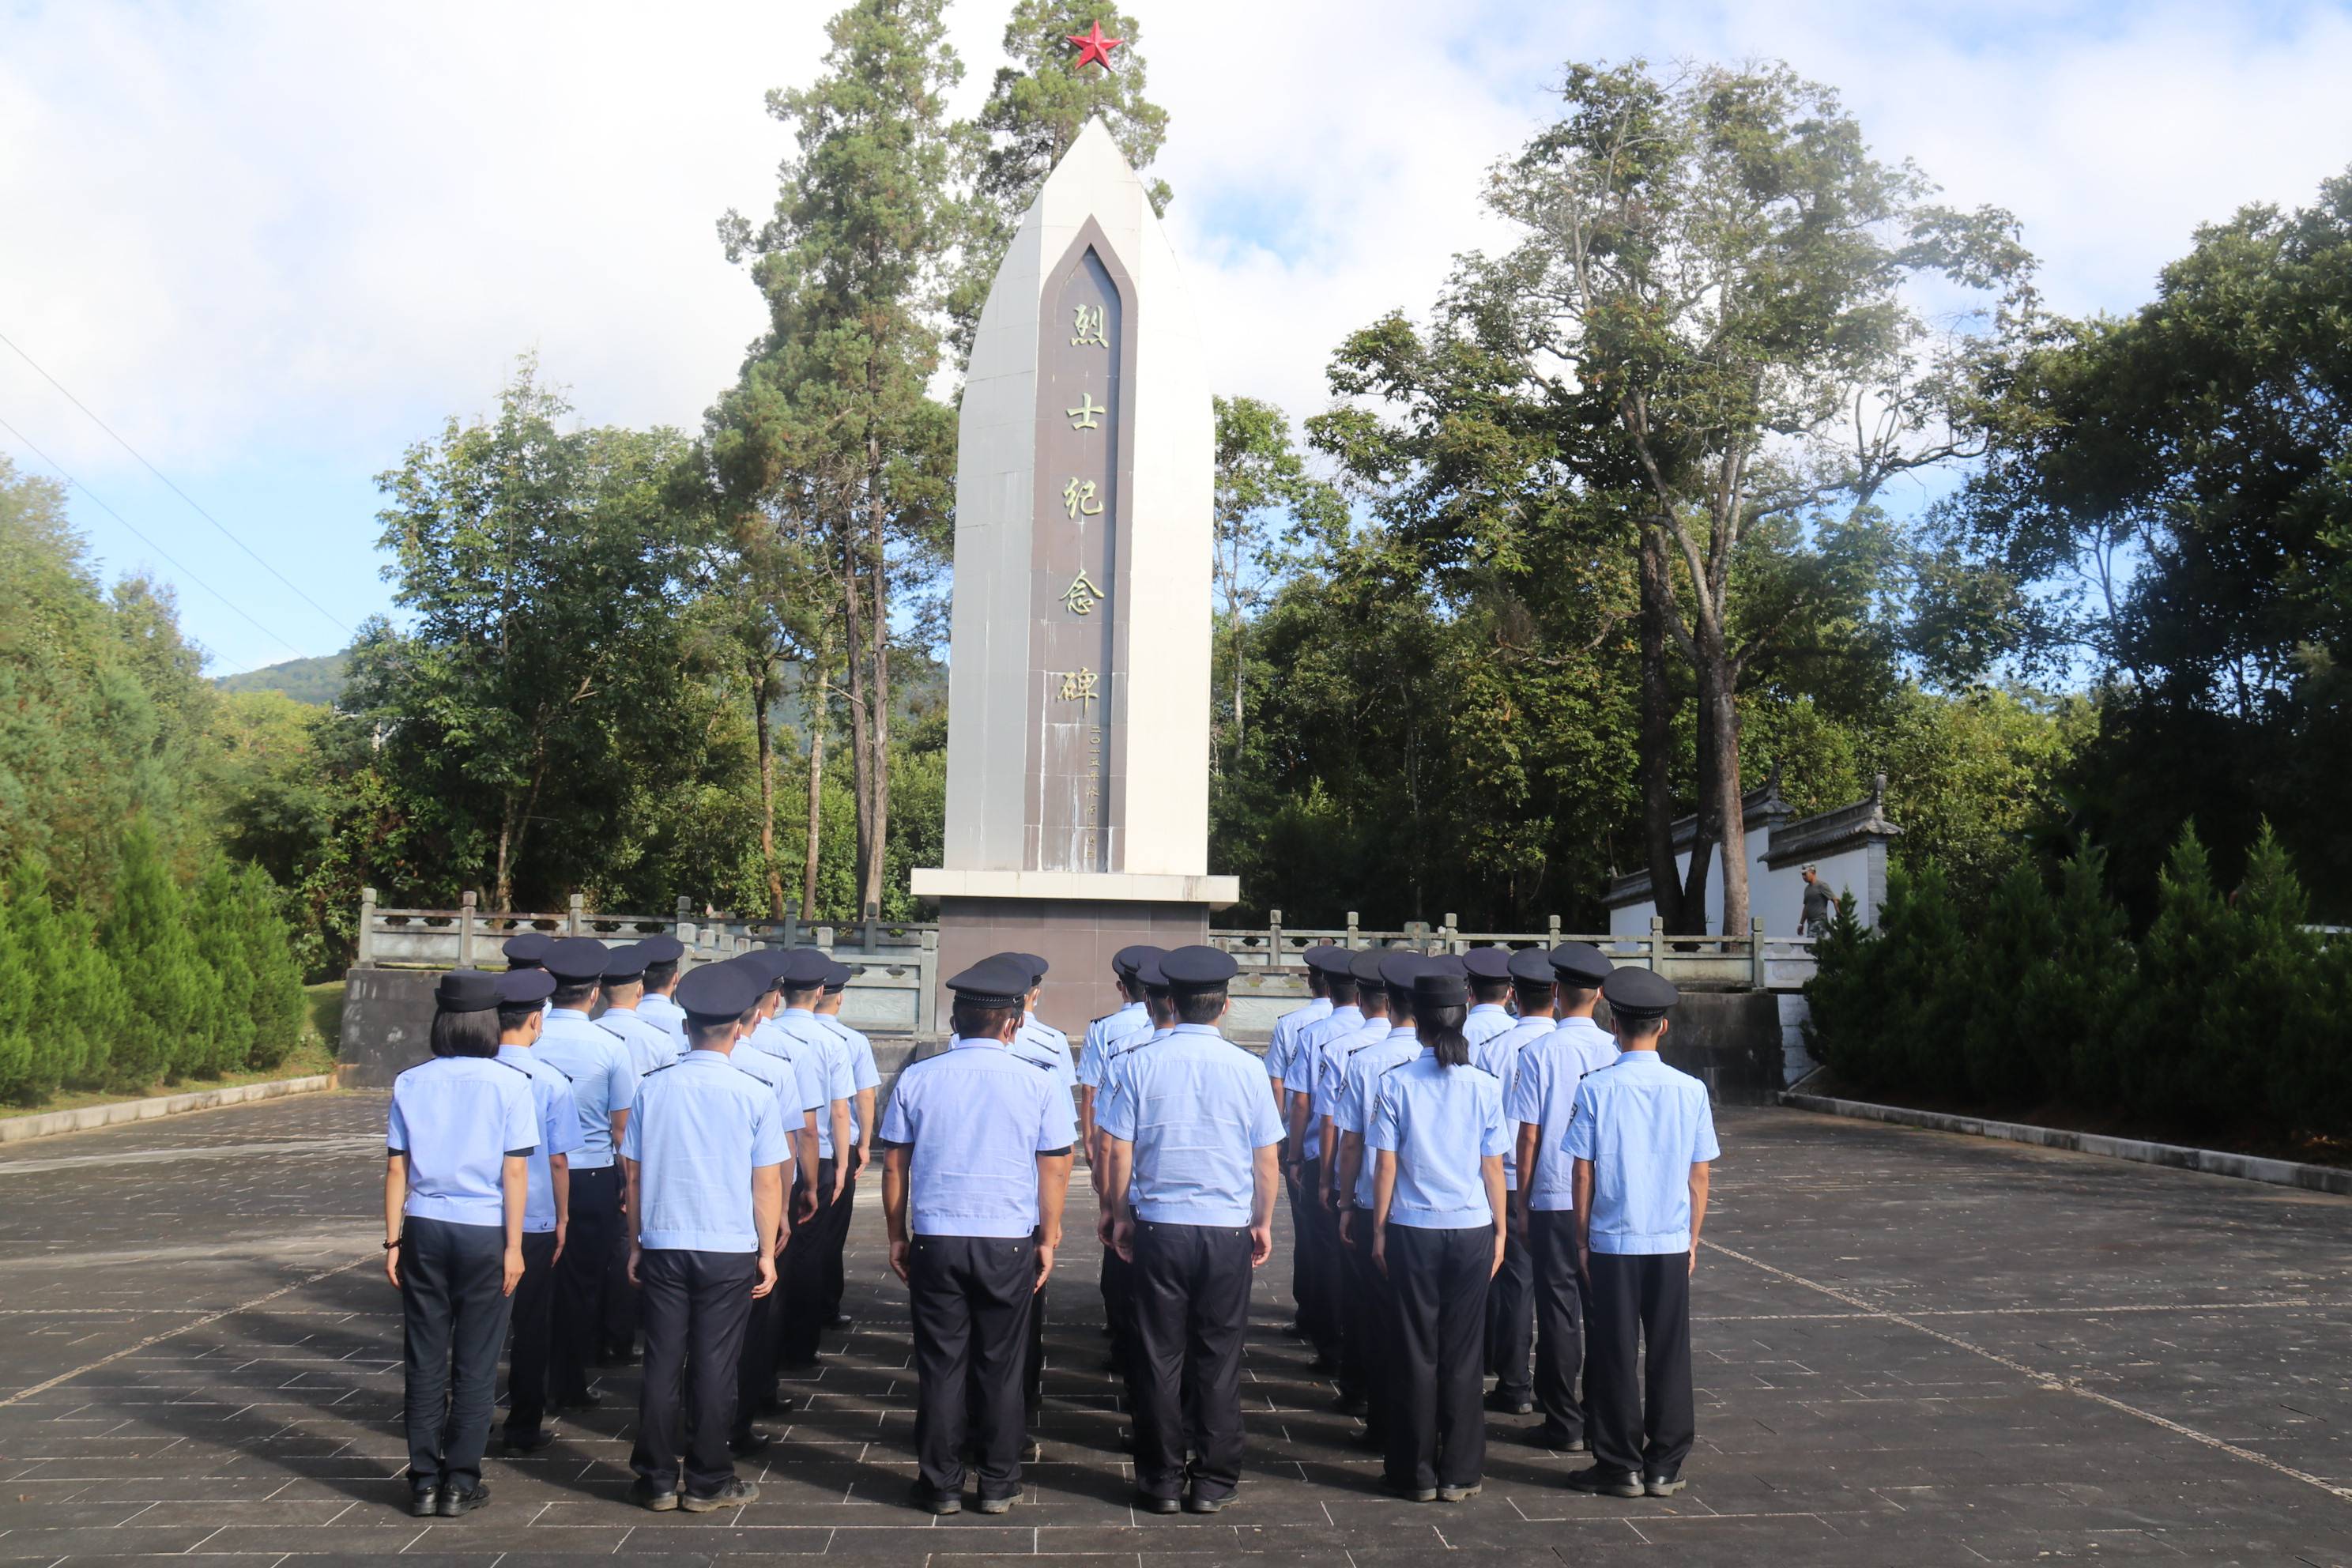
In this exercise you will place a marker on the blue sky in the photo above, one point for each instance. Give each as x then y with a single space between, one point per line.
274 244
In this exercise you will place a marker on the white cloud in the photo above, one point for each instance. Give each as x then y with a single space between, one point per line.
286 240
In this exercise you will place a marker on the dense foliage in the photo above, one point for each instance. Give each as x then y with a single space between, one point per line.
2225 1014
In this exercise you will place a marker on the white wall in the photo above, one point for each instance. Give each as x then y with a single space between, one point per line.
1778 897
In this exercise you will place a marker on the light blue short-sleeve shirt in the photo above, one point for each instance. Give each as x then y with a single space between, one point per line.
831 1064
1485 1020
1196 1110
1501 1055
457 1119
807 1068
1282 1045
974 1119
698 1131
648 1047
1309 1064
1643 1125
1104 1034
602 1079
665 1015
1331 1074
1351 1111
864 1072
1543 1095
1441 1124
1039 1042
559 1133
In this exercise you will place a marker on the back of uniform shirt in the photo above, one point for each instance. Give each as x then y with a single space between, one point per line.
602 1079
1195 1108
976 1118
1643 1125
698 1131
457 1119
1501 1054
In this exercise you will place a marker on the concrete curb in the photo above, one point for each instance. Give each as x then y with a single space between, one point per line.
49 1123
2211 1161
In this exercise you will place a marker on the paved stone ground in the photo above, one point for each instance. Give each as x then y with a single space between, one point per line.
1914 1349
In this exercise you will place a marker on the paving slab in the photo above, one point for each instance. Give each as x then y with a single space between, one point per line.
1912 1347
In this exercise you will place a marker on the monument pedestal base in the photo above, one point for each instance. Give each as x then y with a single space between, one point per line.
1074 921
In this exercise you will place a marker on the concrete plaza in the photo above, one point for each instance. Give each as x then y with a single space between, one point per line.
1913 1348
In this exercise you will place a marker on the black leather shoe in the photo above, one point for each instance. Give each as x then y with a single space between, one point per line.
1406 1493
1460 1494
1350 1404
1196 1503
841 1321
1558 1442
455 1502
1323 1362
642 1493
1503 1403
987 1504
734 1494
424 1502
1146 1502
775 1405
617 1356
526 1441
586 1399
1126 1438
750 1441
1662 1485
1604 1482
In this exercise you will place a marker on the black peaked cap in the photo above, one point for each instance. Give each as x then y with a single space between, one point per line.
664 949
1532 965
1328 960
837 976
1199 968
1000 980
527 946
802 968
1488 962
525 987
625 964
1435 987
576 960
1398 969
714 992
1638 995
1581 963
1128 962
466 991
1366 966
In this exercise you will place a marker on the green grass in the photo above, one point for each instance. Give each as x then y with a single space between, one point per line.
313 1055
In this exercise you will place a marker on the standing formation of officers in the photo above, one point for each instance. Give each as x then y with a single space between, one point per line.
1483 1182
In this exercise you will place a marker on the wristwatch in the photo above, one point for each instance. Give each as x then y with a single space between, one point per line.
391 1245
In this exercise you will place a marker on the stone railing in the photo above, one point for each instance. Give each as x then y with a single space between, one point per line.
894 990
1753 962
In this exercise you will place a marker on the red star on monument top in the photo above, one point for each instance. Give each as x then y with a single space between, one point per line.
1093 48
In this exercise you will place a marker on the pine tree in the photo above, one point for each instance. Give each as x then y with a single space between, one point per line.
2275 1035
2007 1056
1926 991
217 920
18 1074
170 1005
1844 1001
1036 108
2170 1042
2071 1000
269 943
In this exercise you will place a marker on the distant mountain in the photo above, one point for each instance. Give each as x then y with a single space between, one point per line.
319 681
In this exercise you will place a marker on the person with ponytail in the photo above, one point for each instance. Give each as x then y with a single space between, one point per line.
1439 1216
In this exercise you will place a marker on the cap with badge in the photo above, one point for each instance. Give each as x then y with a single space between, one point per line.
626 964
1129 960
1199 969
1000 980
1328 959
1638 995
466 991
576 960
527 948
1581 963
1531 966
525 987
714 992
1435 986
1487 962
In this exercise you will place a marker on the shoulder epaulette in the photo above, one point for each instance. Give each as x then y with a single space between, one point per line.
1393 1066
650 1071
516 1066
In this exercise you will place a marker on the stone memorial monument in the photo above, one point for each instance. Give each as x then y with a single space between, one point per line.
1077 798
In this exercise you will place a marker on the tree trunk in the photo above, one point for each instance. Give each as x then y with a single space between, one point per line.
1709 827
816 799
762 699
1654 748
501 888
1236 617
879 845
1721 741
861 705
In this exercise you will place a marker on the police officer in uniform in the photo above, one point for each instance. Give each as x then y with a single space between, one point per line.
604 1082
662 954
1131 1017
1312 1279
866 1080
1510 1302
1195 1127
457 1145
1351 1118
1539 1101
801 974
1489 972
1039 1035
1438 1222
1342 1039
1642 1138
976 1164
648 1047
1281 1051
1047 1048
547 1210
705 1149
800 1101
1118 1274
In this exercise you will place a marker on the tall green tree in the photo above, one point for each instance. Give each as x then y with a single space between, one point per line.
830 431
531 709
1267 507
170 997
1036 108
1712 288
